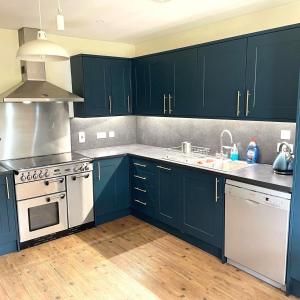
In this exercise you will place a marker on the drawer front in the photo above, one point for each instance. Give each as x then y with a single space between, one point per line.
145 181
141 165
142 202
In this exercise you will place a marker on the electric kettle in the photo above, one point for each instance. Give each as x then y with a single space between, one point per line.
284 161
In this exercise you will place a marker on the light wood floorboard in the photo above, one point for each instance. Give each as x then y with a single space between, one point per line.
125 259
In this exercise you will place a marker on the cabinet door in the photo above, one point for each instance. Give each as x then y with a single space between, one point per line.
111 186
168 195
273 62
8 228
96 81
120 86
161 84
187 84
203 206
222 79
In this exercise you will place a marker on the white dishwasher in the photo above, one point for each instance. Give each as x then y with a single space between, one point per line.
256 230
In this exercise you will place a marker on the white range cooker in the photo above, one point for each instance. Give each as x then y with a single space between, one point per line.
54 196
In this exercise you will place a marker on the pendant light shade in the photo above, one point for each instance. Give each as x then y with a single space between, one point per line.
42 50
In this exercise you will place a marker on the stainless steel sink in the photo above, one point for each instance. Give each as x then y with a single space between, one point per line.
222 164
210 162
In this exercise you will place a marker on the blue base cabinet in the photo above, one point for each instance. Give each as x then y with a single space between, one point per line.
168 198
111 189
143 186
8 215
203 206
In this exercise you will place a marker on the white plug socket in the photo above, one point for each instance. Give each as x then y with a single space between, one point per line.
81 136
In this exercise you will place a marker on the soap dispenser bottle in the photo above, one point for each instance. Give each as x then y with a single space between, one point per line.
234 155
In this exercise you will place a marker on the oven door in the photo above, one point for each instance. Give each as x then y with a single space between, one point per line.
42 216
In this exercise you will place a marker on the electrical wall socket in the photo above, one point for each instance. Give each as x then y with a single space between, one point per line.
101 135
291 145
81 136
285 134
111 134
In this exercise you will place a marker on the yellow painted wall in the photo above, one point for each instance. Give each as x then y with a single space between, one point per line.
266 19
57 73
9 67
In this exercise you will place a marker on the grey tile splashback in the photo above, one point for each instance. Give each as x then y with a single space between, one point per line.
167 132
124 128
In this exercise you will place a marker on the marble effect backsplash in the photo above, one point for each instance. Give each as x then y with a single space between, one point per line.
169 132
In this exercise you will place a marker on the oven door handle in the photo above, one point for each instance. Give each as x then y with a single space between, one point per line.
60 180
48 199
80 176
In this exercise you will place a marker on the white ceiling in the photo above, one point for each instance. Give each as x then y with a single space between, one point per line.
128 21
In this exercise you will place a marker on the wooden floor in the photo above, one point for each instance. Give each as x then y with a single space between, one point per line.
124 259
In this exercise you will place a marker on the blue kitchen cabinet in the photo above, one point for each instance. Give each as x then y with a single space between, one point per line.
111 189
186 84
161 84
120 87
203 206
141 86
293 265
143 179
222 79
104 83
8 215
168 198
273 62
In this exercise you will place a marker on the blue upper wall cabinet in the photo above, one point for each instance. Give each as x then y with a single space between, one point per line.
105 84
167 84
141 86
222 79
273 62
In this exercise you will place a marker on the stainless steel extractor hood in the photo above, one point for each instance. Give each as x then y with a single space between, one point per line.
34 87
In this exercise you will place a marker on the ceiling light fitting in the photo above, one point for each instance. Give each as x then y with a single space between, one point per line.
41 49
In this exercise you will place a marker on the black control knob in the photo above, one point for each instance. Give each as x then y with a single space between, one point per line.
47 174
41 175
23 178
29 177
86 168
35 176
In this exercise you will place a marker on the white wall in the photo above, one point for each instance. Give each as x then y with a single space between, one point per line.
57 73
266 19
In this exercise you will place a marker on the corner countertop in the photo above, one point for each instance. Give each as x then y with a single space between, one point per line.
258 174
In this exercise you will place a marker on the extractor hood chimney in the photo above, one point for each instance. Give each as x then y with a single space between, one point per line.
34 87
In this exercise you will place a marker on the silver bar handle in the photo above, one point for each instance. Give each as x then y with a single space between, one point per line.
62 196
7 188
165 106
139 177
238 104
217 192
128 103
99 172
164 168
60 180
140 190
247 103
170 104
80 176
141 202
110 104
140 165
